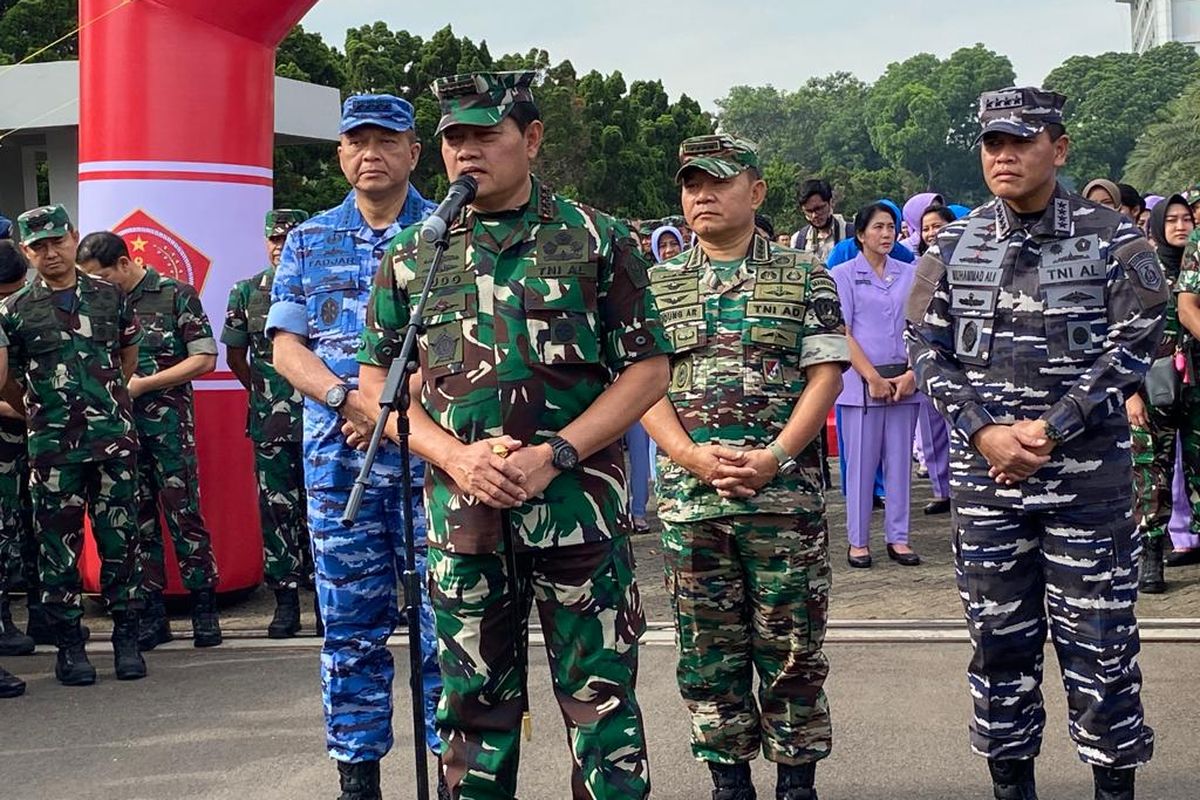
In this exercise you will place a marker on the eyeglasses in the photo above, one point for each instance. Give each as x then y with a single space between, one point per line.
812 211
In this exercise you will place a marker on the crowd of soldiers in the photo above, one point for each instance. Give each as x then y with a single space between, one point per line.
546 335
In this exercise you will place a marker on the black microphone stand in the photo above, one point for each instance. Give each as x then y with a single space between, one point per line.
396 398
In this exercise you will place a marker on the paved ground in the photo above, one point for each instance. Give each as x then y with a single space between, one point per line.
245 722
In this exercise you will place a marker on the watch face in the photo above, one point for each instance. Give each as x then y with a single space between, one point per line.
335 396
565 457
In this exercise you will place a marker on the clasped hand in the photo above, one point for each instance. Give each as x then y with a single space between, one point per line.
735 474
1014 452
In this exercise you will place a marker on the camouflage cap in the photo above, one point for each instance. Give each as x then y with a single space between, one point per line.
44 222
481 99
720 155
1020 111
384 110
282 220
6 227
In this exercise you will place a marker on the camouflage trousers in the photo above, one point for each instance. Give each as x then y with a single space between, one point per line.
18 545
1154 463
279 470
358 573
169 480
107 490
591 615
1071 569
751 594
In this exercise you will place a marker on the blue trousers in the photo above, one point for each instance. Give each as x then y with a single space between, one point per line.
837 418
358 571
638 442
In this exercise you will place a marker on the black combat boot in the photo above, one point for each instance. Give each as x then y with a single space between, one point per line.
286 622
360 781
796 782
731 781
1012 779
10 685
72 667
12 641
1150 566
154 627
127 659
206 625
40 627
1113 784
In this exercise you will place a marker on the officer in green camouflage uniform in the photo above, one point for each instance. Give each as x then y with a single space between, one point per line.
275 423
18 547
1187 294
760 346
72 343
542 343
177 346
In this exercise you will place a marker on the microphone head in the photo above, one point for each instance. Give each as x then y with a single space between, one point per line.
469 185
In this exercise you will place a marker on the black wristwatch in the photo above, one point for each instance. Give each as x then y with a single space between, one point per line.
335 398
566 457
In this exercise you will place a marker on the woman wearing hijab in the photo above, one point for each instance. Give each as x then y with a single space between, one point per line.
914 210
1104 192
1155 423
878 400
665 243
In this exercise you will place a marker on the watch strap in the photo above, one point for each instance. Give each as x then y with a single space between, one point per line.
780 454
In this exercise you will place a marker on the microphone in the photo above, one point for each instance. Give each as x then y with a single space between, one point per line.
461 193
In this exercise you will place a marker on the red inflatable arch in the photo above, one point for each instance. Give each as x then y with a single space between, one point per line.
175 154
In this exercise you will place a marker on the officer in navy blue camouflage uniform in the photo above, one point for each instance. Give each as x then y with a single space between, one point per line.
1030 323
317 314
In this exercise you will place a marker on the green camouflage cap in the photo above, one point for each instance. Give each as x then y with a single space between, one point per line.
481 99
720 155
282 220
44 222
1020 111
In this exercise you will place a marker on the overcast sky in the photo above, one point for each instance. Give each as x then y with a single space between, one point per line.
703 47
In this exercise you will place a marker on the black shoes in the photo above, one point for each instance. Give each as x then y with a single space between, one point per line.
796 783
206 625
10 685
286 622
909 559
1012 779
127 658
154 627
858 562
1150 566
12 641
72 667
878 502
1113 784
731 781
359 781
1183 558
937 507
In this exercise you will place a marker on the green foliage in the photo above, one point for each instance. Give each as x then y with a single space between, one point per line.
1113 98
1166 158
29 25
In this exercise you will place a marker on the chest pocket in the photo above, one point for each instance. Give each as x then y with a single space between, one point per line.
256 312
773 332
1072 279
157 333
561 299
333 305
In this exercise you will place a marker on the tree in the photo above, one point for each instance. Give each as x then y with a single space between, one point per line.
1113 98
26 26
1166 158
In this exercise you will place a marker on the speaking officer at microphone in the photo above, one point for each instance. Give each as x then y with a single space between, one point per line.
542 343
317 313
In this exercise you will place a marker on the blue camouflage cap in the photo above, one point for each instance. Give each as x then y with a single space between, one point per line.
384 110
5 227
1020 111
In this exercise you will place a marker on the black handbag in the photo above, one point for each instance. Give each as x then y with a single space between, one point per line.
1163 384
891 371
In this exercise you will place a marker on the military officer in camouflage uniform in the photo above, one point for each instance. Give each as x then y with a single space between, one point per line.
760 346
317 315
177 347
1033 384
543 344
275 424
72 344
18 547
